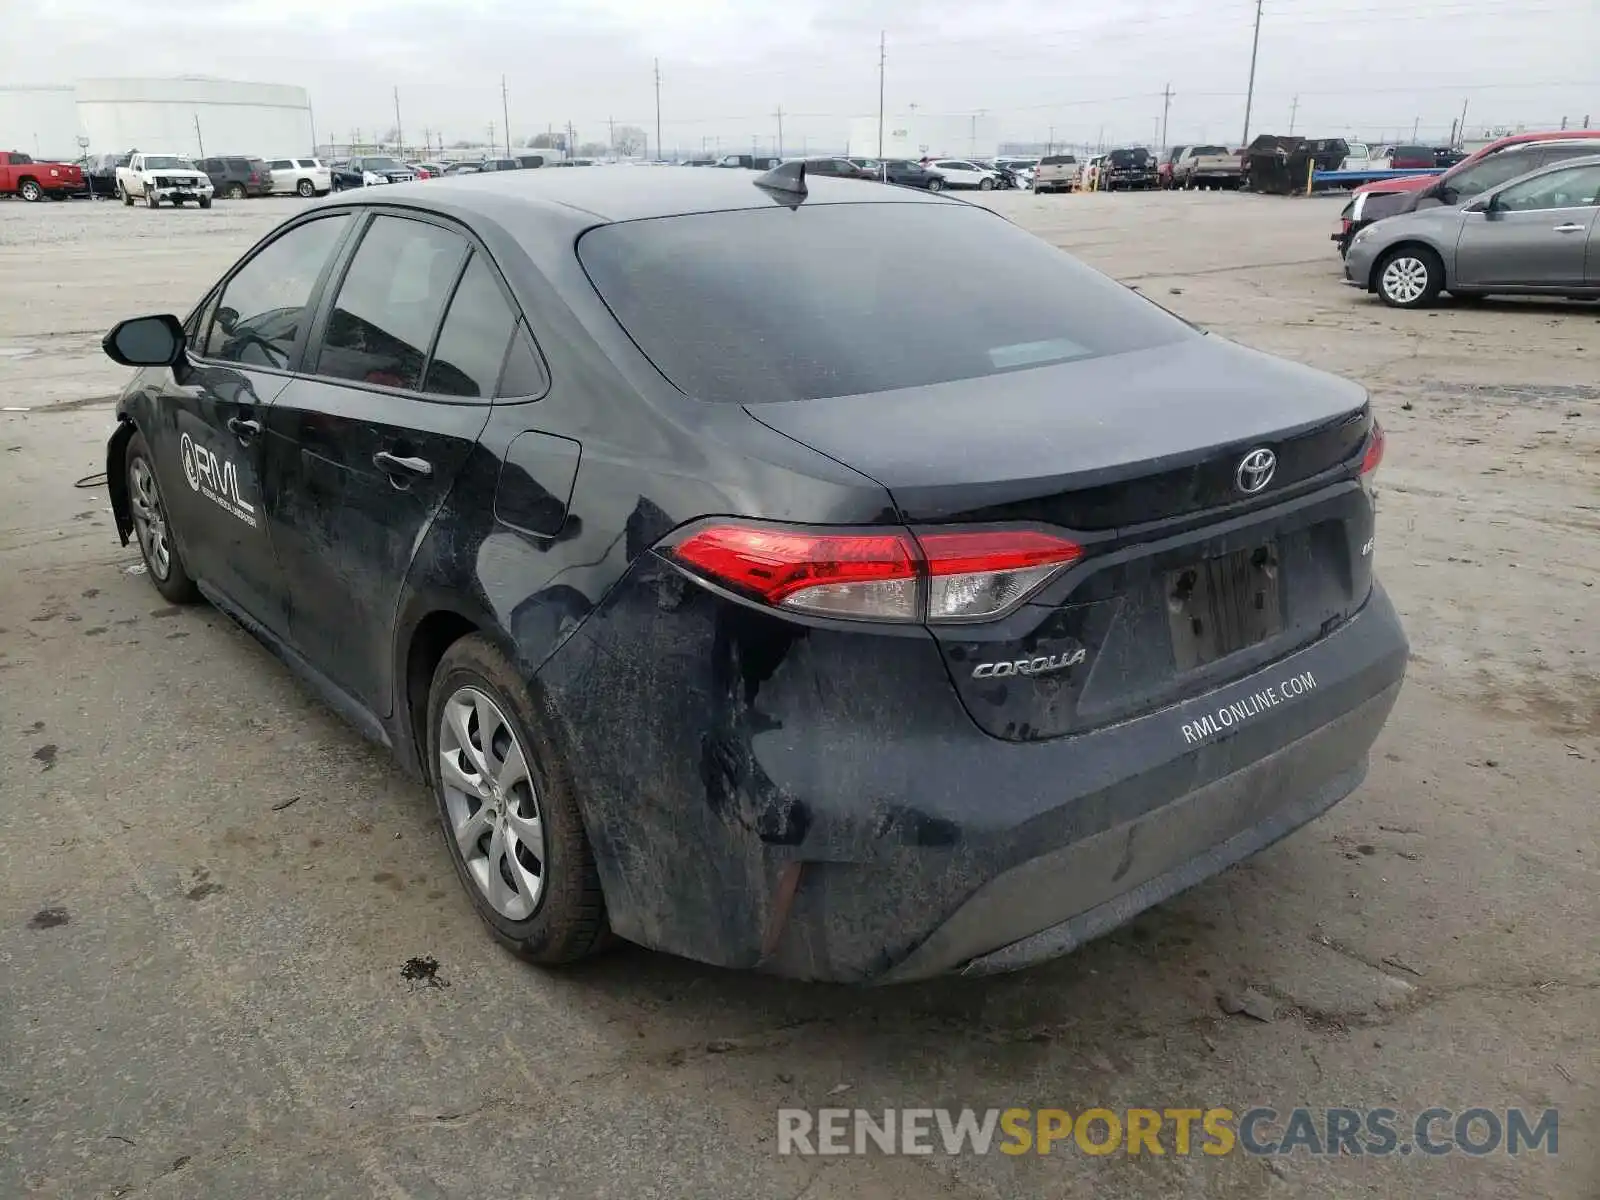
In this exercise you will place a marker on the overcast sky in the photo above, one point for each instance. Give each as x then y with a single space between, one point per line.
1358 66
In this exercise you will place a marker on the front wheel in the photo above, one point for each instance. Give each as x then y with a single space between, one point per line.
1410 277
126 196
986 185
306 188
205 201
151 200
507 809
152 526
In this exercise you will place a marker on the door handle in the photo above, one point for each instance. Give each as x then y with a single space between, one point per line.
243 428
1570 228
395 466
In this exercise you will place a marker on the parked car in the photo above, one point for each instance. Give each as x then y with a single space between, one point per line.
839 168
1536 234
1208 167
1404 158
371 171
963 173
936 611
1493 164
1056 173
910 174
299 176
750 162
463 168
1447 156
21 176
100 175
500 164
429 170
1164 168
1358 157
1128 170
158 178
236 177
1090 177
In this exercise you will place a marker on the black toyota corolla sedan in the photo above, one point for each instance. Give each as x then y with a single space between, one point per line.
748 577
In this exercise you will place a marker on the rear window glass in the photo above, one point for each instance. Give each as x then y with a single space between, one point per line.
1129 158
747 306
1057 160
1208 150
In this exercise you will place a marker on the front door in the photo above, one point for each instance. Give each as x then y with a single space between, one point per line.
1534 235
363 451
213 410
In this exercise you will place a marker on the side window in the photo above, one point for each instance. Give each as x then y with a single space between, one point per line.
280 164
1571 188
389 303
264 304
1491 172
472 343
524 374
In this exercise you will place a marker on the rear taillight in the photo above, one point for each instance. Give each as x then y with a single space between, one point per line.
1374 453
877 575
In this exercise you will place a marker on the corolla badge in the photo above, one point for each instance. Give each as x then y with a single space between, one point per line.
1043 664
1255 471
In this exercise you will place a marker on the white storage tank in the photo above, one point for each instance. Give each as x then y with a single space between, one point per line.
39 121
197 117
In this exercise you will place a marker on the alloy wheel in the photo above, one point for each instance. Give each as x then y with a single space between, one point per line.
491 802
1405 279
149 519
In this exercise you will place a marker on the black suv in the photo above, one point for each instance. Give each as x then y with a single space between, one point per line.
237 178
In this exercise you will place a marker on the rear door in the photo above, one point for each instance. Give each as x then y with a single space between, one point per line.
363 448
211 418
1537 235
283 174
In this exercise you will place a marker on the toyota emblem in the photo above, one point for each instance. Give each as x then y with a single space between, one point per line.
1255 471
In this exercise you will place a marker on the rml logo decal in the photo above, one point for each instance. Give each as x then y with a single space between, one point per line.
216 479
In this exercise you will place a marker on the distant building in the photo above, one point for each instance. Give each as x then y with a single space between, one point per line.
916 135
181 116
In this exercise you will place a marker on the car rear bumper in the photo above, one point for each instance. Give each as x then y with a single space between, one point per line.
816 803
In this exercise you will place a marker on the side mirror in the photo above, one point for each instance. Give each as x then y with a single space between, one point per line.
145 342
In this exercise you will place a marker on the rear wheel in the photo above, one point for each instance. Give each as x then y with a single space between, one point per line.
986 185
236 191
1409 277
306 188
507 809
31 191
151 525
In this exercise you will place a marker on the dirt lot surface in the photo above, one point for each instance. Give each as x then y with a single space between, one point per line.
209 886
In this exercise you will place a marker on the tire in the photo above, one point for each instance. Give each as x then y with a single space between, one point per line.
306 188
205 201
986 185
152 526
236 191
556 913
127 196
31 191
1409 277
151 200
936 185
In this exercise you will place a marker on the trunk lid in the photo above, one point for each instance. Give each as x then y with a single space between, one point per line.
1186 582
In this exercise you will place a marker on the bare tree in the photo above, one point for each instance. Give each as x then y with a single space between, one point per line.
630 139
593 149
543 141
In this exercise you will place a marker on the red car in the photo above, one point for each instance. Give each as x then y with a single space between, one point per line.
1493 164
21 176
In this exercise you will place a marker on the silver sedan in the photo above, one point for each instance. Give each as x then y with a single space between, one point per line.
1533 235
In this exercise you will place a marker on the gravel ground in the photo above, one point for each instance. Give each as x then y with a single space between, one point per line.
209 886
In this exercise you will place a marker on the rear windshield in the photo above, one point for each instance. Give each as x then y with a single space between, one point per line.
1129 158
843 299
1199 150
1057 160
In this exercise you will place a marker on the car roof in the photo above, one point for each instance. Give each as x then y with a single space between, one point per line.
622 195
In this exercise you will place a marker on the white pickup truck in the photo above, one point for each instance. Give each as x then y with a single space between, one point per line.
157 177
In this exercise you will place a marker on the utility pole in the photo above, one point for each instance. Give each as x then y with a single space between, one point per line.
399 134
1418 122
198 139
312 117
1050 146
1166 107
1294 108
1452 131
1464 119
492 142
1250 94
658 109
882 59
572 138
612 125
505 111
779 115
